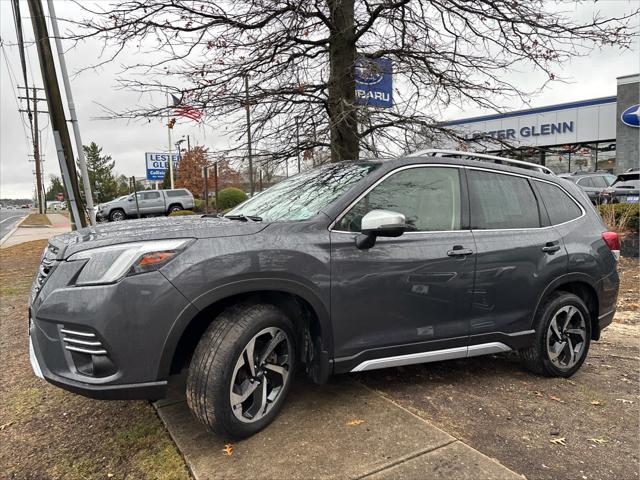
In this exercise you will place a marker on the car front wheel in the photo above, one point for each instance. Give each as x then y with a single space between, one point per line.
242 369
562 338
117 216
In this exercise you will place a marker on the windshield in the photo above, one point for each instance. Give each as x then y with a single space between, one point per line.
303 196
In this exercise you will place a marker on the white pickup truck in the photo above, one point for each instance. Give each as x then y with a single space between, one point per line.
150 203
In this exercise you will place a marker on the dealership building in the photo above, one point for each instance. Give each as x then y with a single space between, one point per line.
597 134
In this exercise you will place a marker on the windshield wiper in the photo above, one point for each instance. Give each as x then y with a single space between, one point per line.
243 217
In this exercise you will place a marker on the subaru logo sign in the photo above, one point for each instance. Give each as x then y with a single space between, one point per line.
631 116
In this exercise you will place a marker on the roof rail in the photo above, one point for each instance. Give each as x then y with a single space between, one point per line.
483 156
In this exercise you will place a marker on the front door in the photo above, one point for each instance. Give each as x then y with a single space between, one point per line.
410 295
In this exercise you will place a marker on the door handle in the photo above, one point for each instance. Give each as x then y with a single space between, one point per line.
459 251
551 247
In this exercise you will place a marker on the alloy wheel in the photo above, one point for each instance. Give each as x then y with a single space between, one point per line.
260 374
566 337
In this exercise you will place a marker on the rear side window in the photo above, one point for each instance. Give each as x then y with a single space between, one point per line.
177 193
586 182
560 207
501 201
151 195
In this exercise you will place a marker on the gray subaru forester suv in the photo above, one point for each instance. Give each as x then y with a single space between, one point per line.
345 268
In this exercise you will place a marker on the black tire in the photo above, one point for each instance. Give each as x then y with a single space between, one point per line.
537 358
213 368
117 215
174 208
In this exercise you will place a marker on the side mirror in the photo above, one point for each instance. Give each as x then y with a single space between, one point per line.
380 223
130 198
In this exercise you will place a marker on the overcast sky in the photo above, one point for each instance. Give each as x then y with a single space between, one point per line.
127 141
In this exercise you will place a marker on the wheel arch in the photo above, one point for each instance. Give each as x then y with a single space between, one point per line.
582 286
175 204
304 308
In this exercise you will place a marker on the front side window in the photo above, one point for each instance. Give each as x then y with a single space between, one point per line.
429 198
560 207
600 182
500 201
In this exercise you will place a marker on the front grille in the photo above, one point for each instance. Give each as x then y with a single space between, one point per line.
48 263
81 341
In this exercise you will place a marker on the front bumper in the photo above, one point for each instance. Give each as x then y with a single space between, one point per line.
104 341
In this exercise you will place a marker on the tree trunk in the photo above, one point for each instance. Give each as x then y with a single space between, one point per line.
342 86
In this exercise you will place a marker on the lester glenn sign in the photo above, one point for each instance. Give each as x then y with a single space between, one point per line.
158 163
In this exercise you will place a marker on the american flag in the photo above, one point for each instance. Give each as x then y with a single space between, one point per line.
183 110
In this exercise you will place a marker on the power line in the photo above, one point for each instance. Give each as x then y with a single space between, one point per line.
17 20
14 83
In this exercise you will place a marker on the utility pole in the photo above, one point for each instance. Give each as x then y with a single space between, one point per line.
35 136
56 111
246 104
86 183
36 152
215 183
170 124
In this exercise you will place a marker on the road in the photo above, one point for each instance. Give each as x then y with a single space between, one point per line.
9 219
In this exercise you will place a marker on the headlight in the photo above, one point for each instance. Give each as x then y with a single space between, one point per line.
110 264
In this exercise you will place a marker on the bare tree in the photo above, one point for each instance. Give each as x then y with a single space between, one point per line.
299 56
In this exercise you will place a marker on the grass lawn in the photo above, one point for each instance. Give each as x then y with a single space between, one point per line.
36 219
48 433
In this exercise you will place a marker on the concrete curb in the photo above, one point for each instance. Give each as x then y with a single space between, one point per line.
12 231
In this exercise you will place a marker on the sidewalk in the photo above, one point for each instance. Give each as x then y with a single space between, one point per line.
312 439
59 224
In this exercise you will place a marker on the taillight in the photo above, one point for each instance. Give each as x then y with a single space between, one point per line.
613 242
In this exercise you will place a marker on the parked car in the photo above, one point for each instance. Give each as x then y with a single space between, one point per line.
593 183
625 189
349 267
149 203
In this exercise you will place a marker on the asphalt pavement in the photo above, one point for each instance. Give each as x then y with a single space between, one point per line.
9 219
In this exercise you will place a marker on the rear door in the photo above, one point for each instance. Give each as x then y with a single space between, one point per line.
518 255
152 203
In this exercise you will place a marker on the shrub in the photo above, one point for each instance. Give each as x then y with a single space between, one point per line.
621 217
179 213
230 197
200 205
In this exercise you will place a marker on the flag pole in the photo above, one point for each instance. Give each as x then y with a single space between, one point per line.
169 137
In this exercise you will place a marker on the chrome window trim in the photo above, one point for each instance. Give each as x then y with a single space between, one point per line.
491 170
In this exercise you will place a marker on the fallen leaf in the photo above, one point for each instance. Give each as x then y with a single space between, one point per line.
596 402
599 441
559 441
537 393
556 399
354 423
228 450
624 400
2 427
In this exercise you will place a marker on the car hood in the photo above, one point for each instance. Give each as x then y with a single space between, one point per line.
158 228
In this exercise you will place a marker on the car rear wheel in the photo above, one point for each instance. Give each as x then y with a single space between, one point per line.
242 369
117 216
562 338
175 208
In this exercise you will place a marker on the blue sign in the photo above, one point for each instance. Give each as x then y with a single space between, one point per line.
374 82
631 116
158 163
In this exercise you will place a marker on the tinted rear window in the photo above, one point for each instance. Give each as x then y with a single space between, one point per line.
560 206
177 193
501 201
